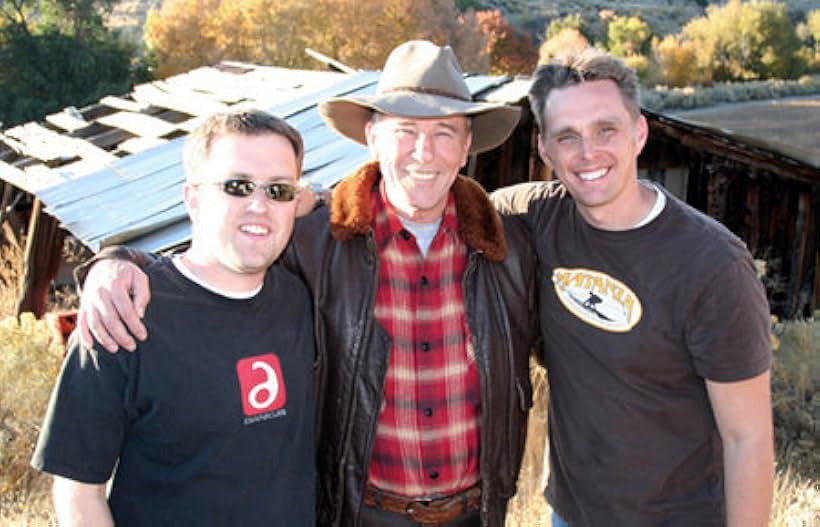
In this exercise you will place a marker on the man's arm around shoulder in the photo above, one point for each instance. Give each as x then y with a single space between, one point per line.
79 504
519 199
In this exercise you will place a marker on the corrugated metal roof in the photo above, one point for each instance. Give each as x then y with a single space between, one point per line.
136 199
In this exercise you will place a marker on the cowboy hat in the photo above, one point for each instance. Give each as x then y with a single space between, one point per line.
422 80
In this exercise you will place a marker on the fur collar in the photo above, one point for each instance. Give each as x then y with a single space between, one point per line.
479 224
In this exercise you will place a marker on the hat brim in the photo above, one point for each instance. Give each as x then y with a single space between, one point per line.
492 123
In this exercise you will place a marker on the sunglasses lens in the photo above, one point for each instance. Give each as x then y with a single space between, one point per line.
238 187
281 191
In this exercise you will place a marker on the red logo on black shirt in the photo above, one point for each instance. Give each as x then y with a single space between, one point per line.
263 387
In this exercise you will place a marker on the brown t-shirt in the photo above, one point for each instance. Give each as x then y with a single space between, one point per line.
633 323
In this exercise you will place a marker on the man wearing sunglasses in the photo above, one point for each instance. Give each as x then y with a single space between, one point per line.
424 308
211 422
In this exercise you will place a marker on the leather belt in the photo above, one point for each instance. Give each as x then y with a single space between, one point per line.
436 511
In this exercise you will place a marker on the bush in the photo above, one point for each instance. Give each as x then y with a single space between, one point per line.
28 368
665 98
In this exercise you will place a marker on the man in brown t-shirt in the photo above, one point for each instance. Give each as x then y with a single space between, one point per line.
655 324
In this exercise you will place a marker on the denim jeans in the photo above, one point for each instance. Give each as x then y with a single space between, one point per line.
558 521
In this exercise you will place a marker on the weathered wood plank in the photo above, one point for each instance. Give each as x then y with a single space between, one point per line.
191 102
139 124
126 105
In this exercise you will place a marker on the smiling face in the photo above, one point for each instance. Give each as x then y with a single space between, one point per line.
235 239
592 142
419 161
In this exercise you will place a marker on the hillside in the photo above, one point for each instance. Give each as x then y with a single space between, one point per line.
664 16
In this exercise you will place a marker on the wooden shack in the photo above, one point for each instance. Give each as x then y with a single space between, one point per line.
111 172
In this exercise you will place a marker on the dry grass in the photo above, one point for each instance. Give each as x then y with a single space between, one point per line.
29 362
11 271
529 508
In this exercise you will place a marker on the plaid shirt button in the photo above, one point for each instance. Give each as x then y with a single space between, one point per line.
428 412
425 346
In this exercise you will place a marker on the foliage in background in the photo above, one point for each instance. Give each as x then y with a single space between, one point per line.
58 53
510 52
628 35
730 42
185 34
566 41
675 61
745 41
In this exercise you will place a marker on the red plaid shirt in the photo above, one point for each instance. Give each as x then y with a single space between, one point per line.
427 439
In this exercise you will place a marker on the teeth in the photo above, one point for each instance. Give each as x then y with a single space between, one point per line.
423 175
254 229
591 176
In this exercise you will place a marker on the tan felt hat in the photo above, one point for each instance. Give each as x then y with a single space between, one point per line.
422 80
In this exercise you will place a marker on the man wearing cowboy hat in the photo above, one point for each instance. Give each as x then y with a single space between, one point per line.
423 304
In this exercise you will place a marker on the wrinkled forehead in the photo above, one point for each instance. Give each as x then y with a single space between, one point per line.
457 122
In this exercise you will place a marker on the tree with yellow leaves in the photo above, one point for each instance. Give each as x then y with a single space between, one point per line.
184 34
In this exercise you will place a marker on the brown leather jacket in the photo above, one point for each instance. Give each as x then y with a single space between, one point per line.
334 252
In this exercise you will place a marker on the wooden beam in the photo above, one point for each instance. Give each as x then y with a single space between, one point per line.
799 250
750 156
44 243
141 125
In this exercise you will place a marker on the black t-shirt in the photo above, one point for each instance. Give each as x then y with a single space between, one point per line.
633 323
210 422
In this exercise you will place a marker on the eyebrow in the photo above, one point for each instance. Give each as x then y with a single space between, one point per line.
598 123
409 122
278 178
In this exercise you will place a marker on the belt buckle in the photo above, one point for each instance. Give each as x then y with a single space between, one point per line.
420 511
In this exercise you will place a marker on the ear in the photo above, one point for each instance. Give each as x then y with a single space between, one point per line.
641 133
190 196
370 135
467 144
542 152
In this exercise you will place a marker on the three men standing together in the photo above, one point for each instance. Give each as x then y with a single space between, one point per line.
424 304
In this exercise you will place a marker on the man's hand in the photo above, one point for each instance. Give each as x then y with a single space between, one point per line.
112 305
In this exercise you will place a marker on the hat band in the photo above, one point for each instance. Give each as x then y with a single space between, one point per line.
427 91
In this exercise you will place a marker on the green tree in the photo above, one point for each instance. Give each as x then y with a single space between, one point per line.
58 53
743 41
572 21
813 23
628 36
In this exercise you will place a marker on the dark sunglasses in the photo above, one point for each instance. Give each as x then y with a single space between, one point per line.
242 188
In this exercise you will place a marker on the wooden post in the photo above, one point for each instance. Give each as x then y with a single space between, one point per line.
44 245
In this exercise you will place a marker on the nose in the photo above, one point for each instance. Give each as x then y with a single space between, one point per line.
587 147
257 201
424 150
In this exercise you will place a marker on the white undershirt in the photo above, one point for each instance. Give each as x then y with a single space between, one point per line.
424 232
187 273
657 208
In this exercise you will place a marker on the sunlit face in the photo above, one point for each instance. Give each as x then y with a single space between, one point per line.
235 239
419 160
592 143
